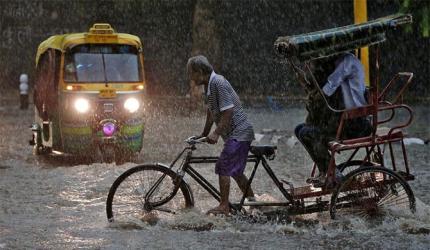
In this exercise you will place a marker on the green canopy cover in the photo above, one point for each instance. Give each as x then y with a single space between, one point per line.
337 40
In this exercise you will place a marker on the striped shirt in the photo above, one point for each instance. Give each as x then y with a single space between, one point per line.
221 96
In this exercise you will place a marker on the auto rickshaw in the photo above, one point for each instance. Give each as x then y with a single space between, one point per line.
89 95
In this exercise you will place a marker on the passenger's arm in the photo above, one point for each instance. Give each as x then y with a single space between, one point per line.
303 80
336 78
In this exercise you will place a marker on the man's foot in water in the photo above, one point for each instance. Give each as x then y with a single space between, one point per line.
224 210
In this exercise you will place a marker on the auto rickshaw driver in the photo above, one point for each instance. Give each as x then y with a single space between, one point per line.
70 72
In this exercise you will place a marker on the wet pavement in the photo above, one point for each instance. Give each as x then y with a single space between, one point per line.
56 203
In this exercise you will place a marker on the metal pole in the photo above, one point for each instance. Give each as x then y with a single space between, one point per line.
360 16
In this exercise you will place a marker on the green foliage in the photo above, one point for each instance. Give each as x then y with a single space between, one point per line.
420 9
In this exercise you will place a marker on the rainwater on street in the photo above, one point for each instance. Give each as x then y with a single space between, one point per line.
56 203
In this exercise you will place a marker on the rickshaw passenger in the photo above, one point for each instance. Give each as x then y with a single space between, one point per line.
321 123
225 110
349 74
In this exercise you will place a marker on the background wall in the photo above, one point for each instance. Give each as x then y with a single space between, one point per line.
237 35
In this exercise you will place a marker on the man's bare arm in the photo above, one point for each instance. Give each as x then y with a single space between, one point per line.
225 122
208 124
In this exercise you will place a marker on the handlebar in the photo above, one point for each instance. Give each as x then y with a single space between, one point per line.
193 140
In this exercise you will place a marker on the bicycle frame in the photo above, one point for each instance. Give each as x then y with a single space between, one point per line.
186 168
257 160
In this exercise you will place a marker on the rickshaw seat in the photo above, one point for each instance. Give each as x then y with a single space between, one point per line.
266 150
381 135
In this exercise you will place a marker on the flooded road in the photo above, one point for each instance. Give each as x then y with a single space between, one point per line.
59 204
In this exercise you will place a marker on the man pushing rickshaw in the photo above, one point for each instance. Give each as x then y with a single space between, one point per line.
365 184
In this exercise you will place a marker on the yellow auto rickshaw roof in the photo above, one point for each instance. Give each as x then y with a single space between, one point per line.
98 34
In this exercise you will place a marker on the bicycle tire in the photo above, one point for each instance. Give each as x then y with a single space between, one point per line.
349 166
130 187
371 191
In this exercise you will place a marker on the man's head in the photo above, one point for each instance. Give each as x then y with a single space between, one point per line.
199 69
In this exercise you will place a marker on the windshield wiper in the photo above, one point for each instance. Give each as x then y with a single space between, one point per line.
104 70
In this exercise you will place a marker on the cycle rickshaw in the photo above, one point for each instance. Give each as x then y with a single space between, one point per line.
371 185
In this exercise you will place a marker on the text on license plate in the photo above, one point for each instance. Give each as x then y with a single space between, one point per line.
107 93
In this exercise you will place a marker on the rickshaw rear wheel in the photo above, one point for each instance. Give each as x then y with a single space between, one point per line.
349 166
370 192
127 196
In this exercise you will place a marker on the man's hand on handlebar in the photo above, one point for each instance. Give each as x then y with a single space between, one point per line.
196 139
212 138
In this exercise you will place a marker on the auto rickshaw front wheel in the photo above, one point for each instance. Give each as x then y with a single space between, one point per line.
122 156
108 153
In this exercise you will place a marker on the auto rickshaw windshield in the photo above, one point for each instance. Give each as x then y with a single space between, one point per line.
102 63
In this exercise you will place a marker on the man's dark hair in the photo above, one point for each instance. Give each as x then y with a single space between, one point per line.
199 64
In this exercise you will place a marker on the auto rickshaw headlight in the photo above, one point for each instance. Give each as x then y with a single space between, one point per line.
131 104
82 105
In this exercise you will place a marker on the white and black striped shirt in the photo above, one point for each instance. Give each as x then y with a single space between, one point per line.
221 96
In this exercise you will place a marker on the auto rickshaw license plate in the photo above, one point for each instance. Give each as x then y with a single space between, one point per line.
107 93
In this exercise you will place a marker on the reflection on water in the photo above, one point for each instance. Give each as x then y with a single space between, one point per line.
51 204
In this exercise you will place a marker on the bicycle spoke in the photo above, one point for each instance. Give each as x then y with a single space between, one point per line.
397 201
128 196
390 197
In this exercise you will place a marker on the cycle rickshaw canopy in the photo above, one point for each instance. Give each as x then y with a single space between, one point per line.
337 40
